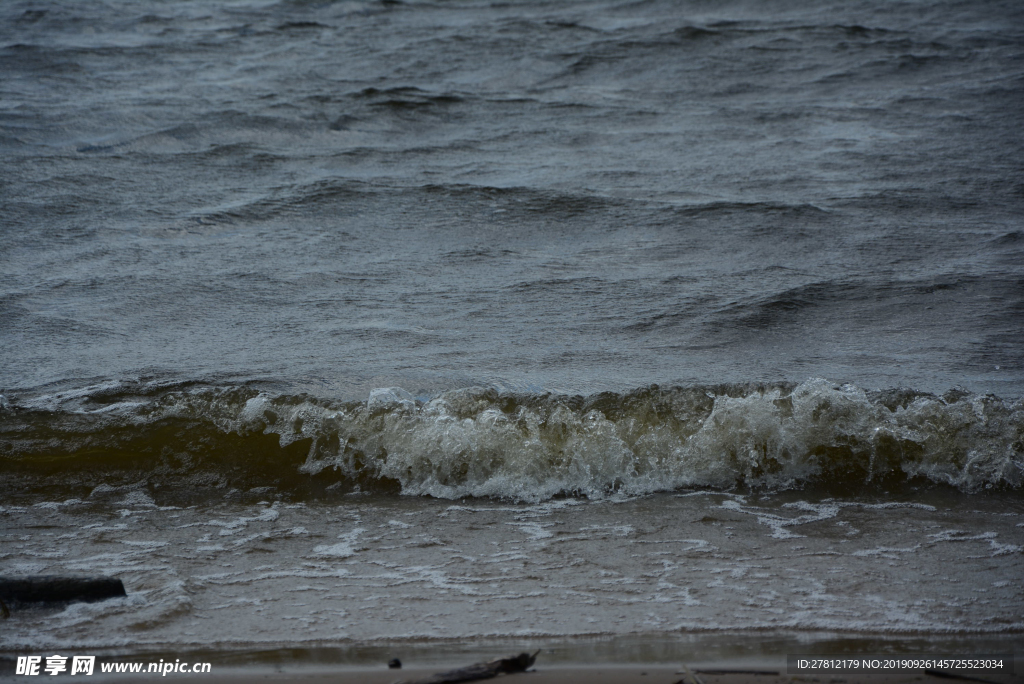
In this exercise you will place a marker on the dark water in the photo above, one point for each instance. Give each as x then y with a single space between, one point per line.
569 196
270 254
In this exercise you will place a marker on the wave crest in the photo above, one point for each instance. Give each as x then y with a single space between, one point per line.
480 442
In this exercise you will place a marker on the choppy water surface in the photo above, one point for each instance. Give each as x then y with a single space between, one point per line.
517 318
572 196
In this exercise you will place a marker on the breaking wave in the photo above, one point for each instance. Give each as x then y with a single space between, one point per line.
484 443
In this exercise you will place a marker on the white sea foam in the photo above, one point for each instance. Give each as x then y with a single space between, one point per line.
477 442
343 549
462 444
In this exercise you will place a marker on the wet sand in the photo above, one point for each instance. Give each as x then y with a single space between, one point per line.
564 674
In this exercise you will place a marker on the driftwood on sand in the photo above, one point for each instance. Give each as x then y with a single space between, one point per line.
487 670
693 679
954 675
769 673
58 589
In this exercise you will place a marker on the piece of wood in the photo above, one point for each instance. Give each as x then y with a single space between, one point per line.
694 679
58 589
953 675
488 670
773 673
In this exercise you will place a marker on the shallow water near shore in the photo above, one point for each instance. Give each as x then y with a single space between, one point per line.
368 569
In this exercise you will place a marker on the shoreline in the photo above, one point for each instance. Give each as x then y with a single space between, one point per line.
554 666
566 674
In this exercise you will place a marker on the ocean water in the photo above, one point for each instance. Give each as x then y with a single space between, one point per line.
342 325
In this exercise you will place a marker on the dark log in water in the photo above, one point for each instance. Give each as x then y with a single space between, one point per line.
478 671
57 589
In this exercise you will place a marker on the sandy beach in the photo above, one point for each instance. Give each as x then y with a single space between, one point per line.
582 674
